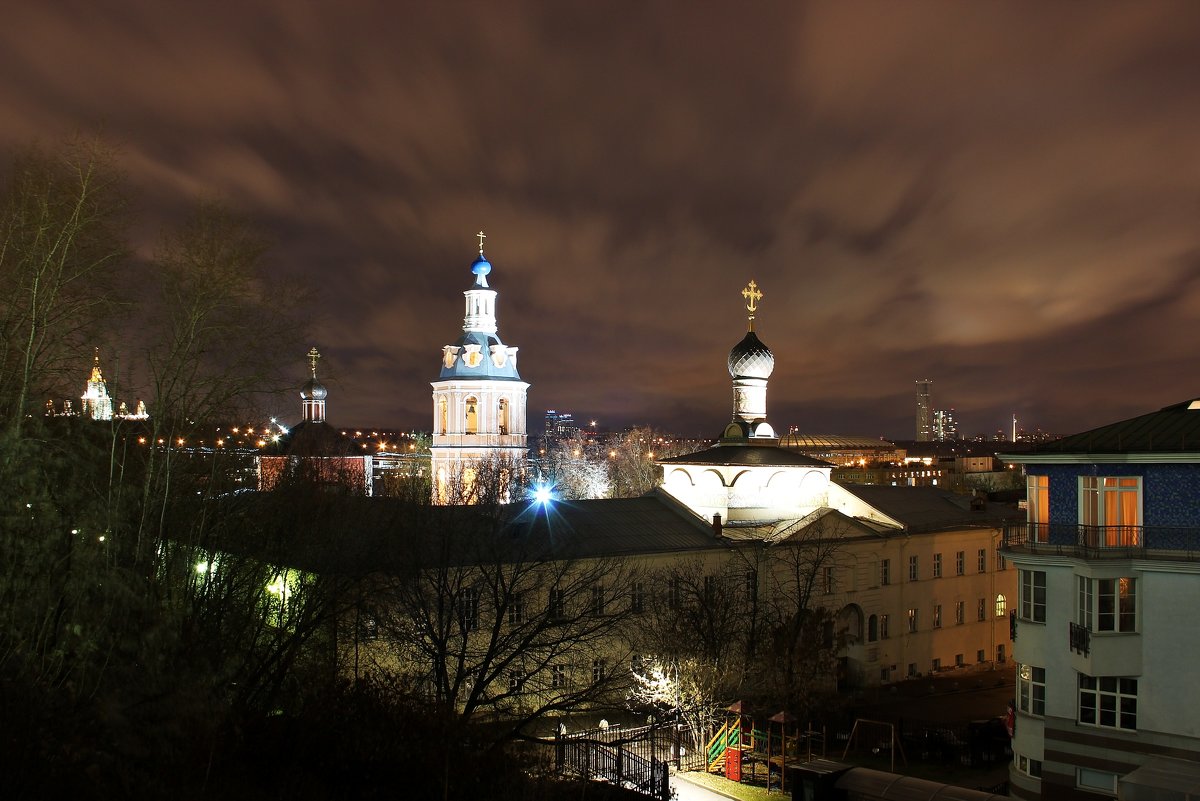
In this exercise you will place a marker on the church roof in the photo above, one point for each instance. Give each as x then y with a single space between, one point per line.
748 455
486 367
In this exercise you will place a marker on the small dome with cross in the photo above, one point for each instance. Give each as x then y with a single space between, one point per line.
750 358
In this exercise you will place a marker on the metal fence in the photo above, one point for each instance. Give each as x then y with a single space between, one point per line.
634 758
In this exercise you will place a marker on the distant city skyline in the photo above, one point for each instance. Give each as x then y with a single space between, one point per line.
927 189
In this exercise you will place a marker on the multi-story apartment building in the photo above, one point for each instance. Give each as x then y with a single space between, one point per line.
1108 571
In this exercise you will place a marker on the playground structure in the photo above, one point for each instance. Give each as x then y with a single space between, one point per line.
739 747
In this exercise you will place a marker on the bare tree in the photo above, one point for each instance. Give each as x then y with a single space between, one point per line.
494 614
61 238
631 463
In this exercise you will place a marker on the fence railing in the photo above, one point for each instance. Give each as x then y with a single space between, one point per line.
1080 639
628 757
1176 541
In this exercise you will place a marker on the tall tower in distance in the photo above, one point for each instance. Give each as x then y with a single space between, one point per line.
478 405
924 412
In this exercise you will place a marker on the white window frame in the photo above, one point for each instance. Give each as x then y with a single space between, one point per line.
1031 690
1099 688
1031 609
1094 509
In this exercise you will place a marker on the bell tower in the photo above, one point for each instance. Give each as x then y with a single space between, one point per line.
479 435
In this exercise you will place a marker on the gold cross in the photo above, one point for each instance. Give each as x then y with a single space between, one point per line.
313 355
752 296
482 237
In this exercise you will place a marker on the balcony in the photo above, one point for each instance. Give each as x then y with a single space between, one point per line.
1081 639
1100 542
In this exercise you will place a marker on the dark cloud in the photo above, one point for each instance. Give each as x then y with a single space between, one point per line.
1000 197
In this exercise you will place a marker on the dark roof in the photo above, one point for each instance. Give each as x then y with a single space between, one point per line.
1173 428
750 455
930 508
618 527
313 439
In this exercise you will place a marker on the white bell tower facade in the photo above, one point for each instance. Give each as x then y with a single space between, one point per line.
479 421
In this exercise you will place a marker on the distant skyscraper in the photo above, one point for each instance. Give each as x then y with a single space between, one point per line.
924 412
945 429
96 402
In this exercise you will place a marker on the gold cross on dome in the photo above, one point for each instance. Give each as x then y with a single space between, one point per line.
482 236
753 295
313 356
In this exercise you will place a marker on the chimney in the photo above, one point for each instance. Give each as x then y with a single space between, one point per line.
716 524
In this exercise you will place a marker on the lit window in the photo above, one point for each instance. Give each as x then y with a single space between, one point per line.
1108 701
1001 606
912 620
1031 689
1107 604
1037 491
883 627
1111 509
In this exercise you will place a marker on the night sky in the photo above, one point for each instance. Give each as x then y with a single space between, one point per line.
1001 197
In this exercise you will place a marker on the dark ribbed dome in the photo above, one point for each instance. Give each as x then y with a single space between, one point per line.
313 390
750 358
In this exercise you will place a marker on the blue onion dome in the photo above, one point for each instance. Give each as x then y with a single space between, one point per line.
481 267
313 390
750 358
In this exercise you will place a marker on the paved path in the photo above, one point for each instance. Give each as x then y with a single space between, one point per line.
686 791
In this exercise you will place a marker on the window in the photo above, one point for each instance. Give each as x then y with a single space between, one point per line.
1000 653
912 669
558 676
468 609
1030 767
516 609
1037 493
1001 562
1031 689
827 580
980 655
937 616
1033 595
516 680
983 560
1001 606
982 610
960 562
597 600
913 572
960 612
1106 604
1116 604
751 585
1108 701
936 665
937 565
885 572
912 620
556 609
637 598
502 415
599 670
1092 779
883 627
674 593
1113 508
710 589
885 674
872 628
959 660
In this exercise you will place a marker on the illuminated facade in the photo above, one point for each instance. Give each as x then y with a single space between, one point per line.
479 415
95 402
1105 621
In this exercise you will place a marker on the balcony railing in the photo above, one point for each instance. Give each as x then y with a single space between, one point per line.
1180 542
1081 639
